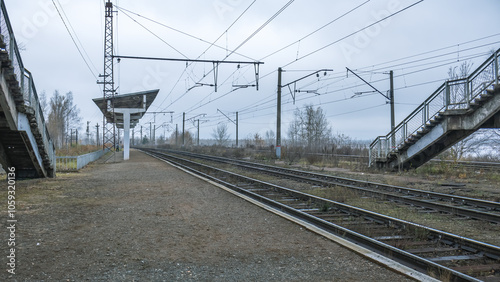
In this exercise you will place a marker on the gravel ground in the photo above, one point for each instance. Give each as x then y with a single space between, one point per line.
143 220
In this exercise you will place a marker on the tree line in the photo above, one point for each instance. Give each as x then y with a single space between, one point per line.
61 115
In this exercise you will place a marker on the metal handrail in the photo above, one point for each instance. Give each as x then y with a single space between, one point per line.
457 94
31 103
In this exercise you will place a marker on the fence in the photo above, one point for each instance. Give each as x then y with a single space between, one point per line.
75 163
452 95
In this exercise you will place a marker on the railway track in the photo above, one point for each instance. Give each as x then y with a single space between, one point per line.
471 165
440 254
424 200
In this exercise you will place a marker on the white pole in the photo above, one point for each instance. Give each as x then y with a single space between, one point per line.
126 135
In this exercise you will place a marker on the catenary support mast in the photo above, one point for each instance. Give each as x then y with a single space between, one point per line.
108 128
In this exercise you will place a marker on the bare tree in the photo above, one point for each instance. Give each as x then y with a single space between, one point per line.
309 127
294 130
63 115
471 145
43 104
257 140
221 134
270 137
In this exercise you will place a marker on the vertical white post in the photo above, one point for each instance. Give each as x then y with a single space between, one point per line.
126 135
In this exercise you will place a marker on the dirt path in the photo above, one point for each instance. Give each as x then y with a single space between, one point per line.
144 220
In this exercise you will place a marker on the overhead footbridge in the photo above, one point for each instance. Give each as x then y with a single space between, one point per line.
25 143
454 111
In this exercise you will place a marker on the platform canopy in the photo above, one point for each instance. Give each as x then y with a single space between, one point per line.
137 100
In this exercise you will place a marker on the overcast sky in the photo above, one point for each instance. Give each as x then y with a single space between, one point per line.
419 44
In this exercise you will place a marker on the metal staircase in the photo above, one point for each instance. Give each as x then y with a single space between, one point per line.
25 143
454 111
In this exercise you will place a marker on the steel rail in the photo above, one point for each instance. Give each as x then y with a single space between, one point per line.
424 265
373 189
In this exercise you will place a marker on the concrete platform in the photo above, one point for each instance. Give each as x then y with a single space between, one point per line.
142 219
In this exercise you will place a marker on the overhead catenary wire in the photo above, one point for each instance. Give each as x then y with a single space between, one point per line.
244 112
239 46
407 64
251 36
73 35
79 46
343 38
257 107
315 31
406 67
304 56
261 27
212 44
155 35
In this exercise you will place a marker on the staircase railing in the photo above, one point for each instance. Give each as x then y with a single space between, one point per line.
31 104
455 94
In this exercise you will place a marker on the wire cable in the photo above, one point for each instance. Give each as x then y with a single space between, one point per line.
74 41
315 31
262 27
212 44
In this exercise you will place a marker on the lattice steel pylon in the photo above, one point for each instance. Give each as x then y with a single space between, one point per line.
108 128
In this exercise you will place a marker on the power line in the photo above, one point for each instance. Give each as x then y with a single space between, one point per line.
212 44
353 33
247 39
345 37
254 107
125 11
315 31
262 26
74 41
439 49
406 67
155 35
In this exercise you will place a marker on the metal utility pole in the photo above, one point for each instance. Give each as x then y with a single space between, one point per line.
183 126
150 131
154 134
97 134
108 128
198 134
88 133
390 98
278 106
154 121
176 135
278 117
196 122
164 133
140 142
236 129
76 137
